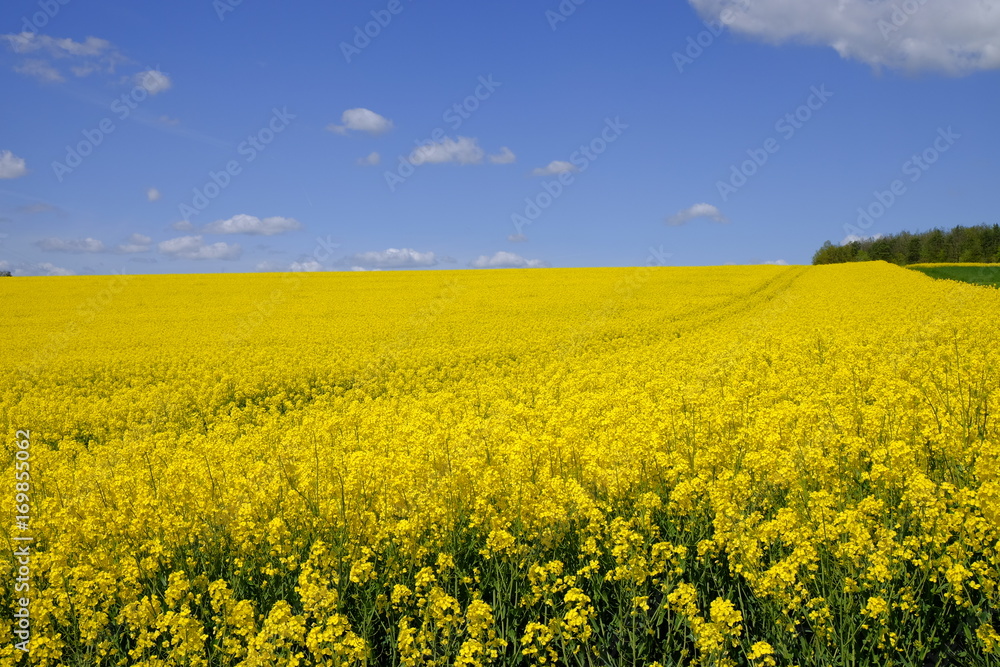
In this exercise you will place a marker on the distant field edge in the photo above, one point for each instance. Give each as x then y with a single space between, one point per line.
985 275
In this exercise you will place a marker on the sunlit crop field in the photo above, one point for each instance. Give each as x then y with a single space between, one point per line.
657 466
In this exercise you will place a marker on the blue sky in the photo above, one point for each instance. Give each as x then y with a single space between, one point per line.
195 136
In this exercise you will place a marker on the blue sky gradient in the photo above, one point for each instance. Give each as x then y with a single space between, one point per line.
165 95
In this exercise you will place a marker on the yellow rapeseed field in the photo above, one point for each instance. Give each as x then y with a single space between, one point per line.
711 466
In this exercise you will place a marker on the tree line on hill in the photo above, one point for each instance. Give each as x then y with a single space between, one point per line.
978 244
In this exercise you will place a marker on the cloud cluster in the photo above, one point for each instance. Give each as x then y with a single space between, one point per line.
955 37
194 247
250 224
393 258
50 59
506 260
464 150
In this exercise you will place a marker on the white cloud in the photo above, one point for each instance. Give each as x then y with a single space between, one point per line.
517 238
135 243
463 150
152 194
11 166
393 258
249 224
505 156
697 211
776 262
167 120
370 160
505 260
554 168
955 37
192 247
306 265
182 226
154 81
361 120
71 245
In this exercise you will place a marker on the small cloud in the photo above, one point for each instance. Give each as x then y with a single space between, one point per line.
370 160
154 81
697 211
182 226
463 150
776 262
361 120
135 243
517 238
506 260
505 156
167 120
87 245
152 194
192 247
249 224
306 265
393 258
11 166
554 168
